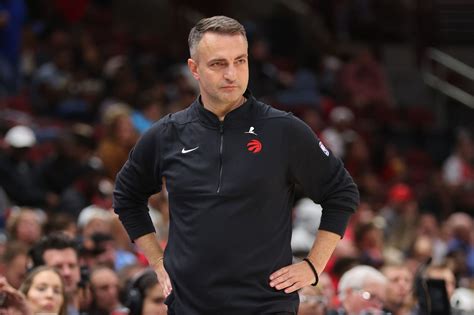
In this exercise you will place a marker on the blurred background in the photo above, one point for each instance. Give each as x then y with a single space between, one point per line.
387 86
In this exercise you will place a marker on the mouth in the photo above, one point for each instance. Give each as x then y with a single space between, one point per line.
48 306
229 87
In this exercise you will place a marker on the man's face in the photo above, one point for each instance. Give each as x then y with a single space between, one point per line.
220 64
400 281
105 288
66 261
369 298
17 270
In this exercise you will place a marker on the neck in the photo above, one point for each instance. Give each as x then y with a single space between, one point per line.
220 110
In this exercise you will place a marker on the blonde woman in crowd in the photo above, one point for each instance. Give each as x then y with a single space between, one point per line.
44 291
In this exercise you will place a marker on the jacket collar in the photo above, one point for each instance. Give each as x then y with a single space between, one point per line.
238 114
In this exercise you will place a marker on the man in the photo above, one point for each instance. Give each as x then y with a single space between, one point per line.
13 263
361 291
231 164
60 251
18 175
104 284
399 289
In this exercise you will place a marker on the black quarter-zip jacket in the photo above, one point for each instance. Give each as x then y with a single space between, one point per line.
231 190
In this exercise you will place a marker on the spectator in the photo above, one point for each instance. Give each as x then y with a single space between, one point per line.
13 301
443 272
399 297
26 225
458 173
401 217
340 134
13 263
145 295
17 173
364 83
119 138
148 111
44 290
96 227
312 301
461 242
104 284
61 252
361 289
368 239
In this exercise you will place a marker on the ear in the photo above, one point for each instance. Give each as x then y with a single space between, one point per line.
193 67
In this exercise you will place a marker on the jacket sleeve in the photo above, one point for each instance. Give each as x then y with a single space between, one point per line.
322 177
139 178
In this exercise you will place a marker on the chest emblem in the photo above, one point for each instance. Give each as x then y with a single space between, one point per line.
185 151
254 146
251 131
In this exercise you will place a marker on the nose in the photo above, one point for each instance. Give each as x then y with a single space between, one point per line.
50 293
230 73
65 272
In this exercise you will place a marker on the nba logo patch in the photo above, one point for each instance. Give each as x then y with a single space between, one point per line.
323 148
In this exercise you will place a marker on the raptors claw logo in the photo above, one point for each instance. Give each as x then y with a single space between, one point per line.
254 146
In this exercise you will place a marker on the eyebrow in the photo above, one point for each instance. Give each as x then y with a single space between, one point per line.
223 59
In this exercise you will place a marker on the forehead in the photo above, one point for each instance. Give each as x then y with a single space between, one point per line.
104 276
47 276
60 256
397 272
225 46
374 286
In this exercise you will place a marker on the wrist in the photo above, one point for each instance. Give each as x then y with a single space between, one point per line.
158 262
313 269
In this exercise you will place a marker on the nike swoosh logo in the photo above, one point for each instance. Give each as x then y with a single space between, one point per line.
184 151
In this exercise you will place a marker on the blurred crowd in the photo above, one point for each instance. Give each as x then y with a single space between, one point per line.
77 88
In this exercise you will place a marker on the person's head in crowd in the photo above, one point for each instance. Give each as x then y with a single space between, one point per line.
94 219
119 138
61 252
144 295
362 288
45 291
428 225
26 225
13 263
312 301
368 239
20 139
341 117
422 248
442 272
61 223
465 145
118 125
151 109
400 193
399 287
460 225
104 285
462 301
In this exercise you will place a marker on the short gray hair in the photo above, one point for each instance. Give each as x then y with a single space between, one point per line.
218 24
357 277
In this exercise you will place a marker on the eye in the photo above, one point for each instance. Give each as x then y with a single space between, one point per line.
241 61
217 64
